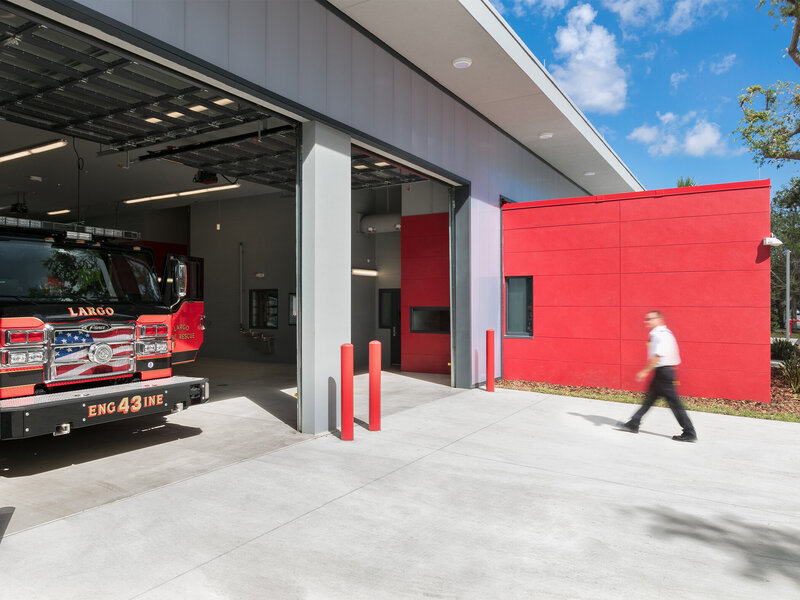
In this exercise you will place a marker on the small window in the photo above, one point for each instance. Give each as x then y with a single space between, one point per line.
519 306
263 309
430 319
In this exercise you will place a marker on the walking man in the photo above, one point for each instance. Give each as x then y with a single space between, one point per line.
662 356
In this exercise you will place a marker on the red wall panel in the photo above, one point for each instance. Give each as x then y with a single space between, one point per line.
727 256
562 237
563 262
424 282
599 263
576 290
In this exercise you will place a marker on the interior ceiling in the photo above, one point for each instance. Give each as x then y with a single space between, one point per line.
137 130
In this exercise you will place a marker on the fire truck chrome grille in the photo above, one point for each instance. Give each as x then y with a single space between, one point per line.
91 349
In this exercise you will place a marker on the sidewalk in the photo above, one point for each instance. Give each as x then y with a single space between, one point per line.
470 495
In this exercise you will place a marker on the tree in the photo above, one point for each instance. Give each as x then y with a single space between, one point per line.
686 182
770 124
770 127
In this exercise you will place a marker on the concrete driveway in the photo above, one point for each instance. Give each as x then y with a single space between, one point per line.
464 494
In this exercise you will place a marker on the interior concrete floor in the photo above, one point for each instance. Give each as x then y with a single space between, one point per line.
252 411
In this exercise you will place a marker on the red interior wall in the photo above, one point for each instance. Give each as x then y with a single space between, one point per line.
424 281
599 263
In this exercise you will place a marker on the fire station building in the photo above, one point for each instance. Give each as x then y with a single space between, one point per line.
351 170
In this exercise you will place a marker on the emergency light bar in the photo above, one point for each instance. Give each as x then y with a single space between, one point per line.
73 231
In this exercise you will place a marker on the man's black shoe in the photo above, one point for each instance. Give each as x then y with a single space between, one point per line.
685 437
628 427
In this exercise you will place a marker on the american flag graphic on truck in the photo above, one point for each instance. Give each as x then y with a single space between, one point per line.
72 352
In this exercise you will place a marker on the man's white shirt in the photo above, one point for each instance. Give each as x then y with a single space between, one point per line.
663 344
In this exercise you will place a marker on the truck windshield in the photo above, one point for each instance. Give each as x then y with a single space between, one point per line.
39 270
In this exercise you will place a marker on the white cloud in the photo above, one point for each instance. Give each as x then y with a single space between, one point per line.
687 134
645 134
676 78
634 12
520 8
722 65
649 55
687 13
590 73
704 138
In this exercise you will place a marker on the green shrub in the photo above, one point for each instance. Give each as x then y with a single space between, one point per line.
783 350
791 371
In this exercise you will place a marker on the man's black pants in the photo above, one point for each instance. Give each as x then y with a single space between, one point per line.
662 385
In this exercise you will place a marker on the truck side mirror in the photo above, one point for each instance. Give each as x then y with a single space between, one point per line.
179 280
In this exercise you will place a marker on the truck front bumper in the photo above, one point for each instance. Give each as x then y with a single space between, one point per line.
61 412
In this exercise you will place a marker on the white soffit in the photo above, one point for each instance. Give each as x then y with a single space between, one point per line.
505 83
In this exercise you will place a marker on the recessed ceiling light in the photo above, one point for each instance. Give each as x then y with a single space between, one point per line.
360 167
545 135
198 108
59 212
462 62
589 174
223 101
175 114
382 164
153 120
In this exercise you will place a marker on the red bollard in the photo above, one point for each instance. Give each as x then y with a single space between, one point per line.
490 360
374 385
347 392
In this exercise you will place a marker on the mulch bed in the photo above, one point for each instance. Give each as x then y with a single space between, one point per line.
783 400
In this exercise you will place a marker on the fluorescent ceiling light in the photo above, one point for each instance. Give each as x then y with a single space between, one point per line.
382 164
198 108
154 120
59 212
364 272
360 167
218 188
223 102
33 150
174 114
462 62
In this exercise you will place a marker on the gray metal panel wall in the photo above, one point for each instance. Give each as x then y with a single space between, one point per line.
298 49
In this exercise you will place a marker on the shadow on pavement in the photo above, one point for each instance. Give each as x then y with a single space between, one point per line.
19 458
600 421
764 551
6 512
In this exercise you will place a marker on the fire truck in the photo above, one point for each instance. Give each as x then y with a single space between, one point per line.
88 332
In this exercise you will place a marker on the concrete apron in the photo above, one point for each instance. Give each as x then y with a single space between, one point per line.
467 495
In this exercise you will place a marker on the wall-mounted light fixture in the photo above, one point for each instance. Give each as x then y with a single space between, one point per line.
772 241
545 135
589 174
219 188
462 62
53 145
364 272
59 212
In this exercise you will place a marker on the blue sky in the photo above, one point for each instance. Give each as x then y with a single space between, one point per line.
659 79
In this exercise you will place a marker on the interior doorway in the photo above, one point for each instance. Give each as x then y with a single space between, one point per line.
389 318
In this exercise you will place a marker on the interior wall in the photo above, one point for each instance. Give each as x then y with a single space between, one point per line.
265 225
168 225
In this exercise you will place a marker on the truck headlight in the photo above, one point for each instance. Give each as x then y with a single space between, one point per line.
161 347
17 358
36 356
